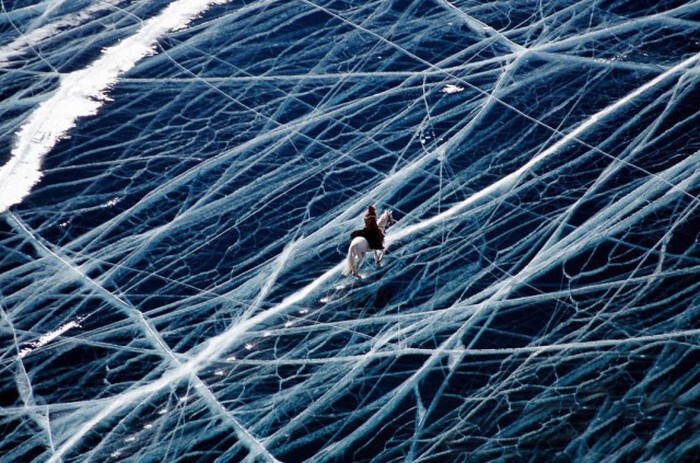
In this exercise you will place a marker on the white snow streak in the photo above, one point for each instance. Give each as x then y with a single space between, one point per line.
80 94
48 337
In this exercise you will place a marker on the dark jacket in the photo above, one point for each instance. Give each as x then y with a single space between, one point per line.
372 233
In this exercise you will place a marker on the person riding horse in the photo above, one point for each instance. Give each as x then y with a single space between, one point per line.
372 233
369 239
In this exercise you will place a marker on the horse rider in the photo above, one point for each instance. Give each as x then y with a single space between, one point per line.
372 233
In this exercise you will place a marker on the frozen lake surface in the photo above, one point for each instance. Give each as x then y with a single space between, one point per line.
178 182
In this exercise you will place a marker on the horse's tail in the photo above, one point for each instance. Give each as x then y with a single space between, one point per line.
349 263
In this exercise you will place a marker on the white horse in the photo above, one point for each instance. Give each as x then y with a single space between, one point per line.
359 247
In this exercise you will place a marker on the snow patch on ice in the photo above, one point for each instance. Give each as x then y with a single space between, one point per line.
451 88
48 337
80 94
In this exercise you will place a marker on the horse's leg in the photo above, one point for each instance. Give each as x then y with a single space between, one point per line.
349 267
377 257
356 261
360 258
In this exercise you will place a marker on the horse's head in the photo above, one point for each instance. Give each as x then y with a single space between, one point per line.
386 220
